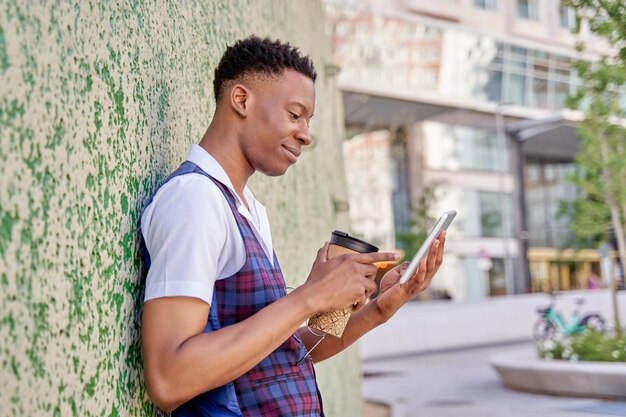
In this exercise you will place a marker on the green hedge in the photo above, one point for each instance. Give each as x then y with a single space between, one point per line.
588 346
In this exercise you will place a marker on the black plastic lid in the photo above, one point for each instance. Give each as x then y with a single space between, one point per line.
343 239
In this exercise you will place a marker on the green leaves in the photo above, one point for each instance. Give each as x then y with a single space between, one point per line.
587 346
421 223
601 157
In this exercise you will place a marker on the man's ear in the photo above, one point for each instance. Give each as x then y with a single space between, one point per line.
239 95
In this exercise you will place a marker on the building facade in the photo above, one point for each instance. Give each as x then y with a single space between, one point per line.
455 84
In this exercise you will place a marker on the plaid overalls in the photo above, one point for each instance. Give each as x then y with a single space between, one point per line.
281 384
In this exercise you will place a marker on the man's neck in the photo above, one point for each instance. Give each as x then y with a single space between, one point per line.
222 145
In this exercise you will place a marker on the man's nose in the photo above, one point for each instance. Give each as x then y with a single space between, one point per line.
304 135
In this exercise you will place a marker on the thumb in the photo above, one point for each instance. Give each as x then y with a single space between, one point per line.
402 269
399 269
322 253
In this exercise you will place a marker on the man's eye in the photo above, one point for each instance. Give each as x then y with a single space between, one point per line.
294 116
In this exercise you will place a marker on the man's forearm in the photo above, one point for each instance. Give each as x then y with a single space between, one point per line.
360 323
176 373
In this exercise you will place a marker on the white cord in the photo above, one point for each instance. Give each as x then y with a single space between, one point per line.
308 353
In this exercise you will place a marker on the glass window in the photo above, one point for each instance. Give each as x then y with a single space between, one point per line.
541 73
533 173
488 71
539 93
518 59
432 33
490 214
464 148
498 58
528 9
479 149
484 215
567 17
516 89
563 62
435 55
485 4
431 79
484 282
564 80
477 280
541 59
415 77
522 8
493 88
486 83
549 172
497 277
547 227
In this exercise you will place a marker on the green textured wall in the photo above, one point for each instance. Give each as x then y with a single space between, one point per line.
99 101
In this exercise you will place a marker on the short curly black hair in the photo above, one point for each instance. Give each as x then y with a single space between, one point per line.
263 56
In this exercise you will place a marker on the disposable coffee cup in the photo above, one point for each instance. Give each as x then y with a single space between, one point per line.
335 322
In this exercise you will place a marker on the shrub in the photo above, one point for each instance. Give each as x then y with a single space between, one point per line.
588 346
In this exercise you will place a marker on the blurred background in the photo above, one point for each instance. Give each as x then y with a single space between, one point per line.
461 104
510 112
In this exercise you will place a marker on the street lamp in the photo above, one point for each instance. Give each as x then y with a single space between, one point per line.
506 221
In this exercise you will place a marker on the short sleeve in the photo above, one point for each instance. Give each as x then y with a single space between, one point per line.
185 233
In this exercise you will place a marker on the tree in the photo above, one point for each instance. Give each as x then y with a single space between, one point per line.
421 223
601 156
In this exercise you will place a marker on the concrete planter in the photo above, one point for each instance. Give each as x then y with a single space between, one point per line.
525 371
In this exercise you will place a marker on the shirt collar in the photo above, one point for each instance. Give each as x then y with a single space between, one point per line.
199 156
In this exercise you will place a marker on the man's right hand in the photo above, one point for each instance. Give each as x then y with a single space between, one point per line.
344 280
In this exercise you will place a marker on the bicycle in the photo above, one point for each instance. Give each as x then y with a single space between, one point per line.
552 326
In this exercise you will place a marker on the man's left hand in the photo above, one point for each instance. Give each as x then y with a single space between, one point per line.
394 295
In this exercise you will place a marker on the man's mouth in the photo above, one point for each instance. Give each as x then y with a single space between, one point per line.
292 153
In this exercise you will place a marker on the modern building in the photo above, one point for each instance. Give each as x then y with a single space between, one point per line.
466 98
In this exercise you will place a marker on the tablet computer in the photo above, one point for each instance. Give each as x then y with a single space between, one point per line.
442 224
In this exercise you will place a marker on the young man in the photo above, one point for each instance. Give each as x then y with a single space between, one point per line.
220 337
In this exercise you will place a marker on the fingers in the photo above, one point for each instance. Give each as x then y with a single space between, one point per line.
432 256
400 268
442 239
417 280
369 270
397 271
322 253
420 275
427 268
435 255
369 288
348 277
358 306
370 258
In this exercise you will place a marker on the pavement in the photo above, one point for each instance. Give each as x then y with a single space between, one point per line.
463 383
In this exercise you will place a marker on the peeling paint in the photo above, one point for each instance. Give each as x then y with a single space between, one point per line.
98 102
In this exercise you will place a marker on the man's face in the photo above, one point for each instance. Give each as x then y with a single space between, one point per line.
279 111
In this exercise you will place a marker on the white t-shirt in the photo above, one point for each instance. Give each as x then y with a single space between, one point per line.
192 236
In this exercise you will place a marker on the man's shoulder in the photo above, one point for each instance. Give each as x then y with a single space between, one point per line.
193 186
189 195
